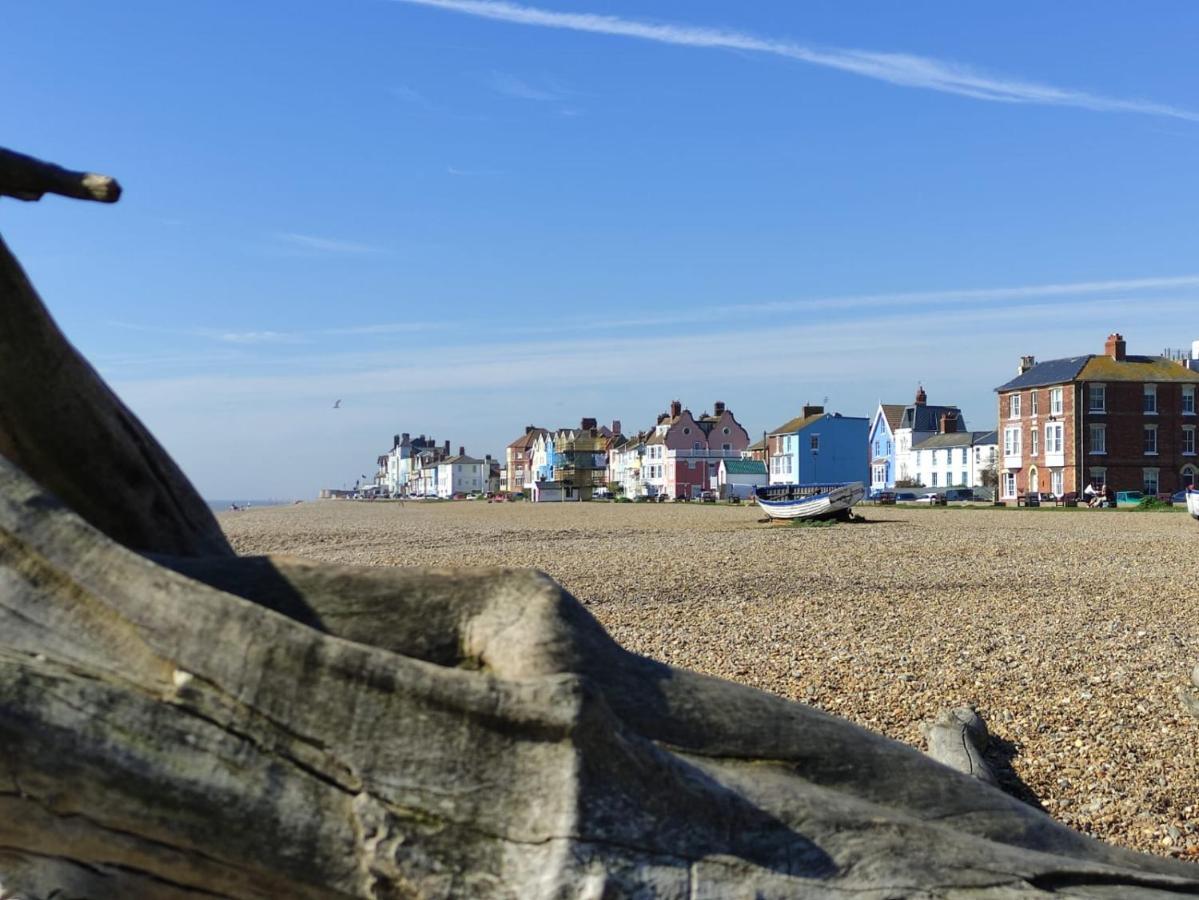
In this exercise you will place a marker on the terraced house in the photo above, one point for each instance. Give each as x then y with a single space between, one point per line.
1127 422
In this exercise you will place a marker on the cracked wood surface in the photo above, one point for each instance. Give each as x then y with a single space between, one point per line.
179 723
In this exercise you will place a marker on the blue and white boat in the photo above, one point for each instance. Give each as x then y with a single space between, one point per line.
809 501
1193 501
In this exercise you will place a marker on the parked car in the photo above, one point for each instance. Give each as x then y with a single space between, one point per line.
1179 498
884 497
959 495
905 497
708 496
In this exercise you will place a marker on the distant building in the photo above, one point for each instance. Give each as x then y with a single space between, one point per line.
460 474
819 448
1115 420
519 462
738 477
578 463
403 459
954 458
683 451
883 427
917 422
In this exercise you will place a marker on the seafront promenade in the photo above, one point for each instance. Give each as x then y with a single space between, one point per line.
1068 631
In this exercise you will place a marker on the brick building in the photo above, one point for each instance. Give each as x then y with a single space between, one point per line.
1127 422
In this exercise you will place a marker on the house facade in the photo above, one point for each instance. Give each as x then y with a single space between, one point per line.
460 474
518 461
1127 423
817 447
882 445
955 459
683 451
918 421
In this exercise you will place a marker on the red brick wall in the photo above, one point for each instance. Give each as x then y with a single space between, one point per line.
1028 423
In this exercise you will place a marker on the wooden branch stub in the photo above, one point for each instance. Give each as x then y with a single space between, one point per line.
25 178
957 738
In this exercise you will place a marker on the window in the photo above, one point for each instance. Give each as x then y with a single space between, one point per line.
1053 437
1188 399
1011 441
934 484
1150 481
787 467
697 445
965 479
1013 406
814 443
1032 402
1150 401
726 429
965 456
1034 481
1055 401
1188 440
686 430
1097 398
919 453
1188 477
1150 442
726 447
1009 484
1098 439
1032 446
1055 478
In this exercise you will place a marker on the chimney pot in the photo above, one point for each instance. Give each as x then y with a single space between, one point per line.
447 448
676 408
462 451
811 410
921 397
1026 363
718 408
616 427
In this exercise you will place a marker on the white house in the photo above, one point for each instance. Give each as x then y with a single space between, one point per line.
460 474
920 421
954 459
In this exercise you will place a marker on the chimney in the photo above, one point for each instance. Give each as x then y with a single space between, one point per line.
718 409
588 424
616 426
949 423
662 417
1026 363
395 441
405 438
462 451
447 448
529 429
676 408
1114 347
812 410
921 397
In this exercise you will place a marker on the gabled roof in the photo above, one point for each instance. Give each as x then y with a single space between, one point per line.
459 461
526 440
744 466
1052 371
892 412
759 444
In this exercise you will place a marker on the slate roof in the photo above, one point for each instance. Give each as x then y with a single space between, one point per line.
745 467
955 439
1052 371
922 417
459 460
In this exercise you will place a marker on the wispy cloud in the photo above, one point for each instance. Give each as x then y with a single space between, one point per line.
902 69
326 245
511 86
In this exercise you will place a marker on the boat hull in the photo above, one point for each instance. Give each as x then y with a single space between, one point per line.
1193 502
809 501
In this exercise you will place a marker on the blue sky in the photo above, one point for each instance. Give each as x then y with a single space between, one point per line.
463 217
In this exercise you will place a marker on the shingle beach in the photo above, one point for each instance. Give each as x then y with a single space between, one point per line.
1069 631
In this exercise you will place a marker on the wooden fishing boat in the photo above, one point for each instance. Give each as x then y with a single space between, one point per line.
1193 501
809 501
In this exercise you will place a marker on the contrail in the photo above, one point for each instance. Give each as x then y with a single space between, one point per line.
895 68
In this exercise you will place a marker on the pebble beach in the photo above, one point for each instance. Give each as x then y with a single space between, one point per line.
1069 631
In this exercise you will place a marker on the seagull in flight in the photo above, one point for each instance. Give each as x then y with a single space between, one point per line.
337 404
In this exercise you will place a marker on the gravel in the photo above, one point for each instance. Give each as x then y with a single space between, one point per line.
1070 632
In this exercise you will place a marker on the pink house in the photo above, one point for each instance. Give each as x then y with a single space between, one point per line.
683 453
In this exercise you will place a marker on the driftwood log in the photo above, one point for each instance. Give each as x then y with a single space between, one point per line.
180 724
958 738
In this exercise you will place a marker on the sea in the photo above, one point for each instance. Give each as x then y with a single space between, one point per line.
227 505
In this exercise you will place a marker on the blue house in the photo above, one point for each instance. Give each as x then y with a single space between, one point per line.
882 445
818 448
